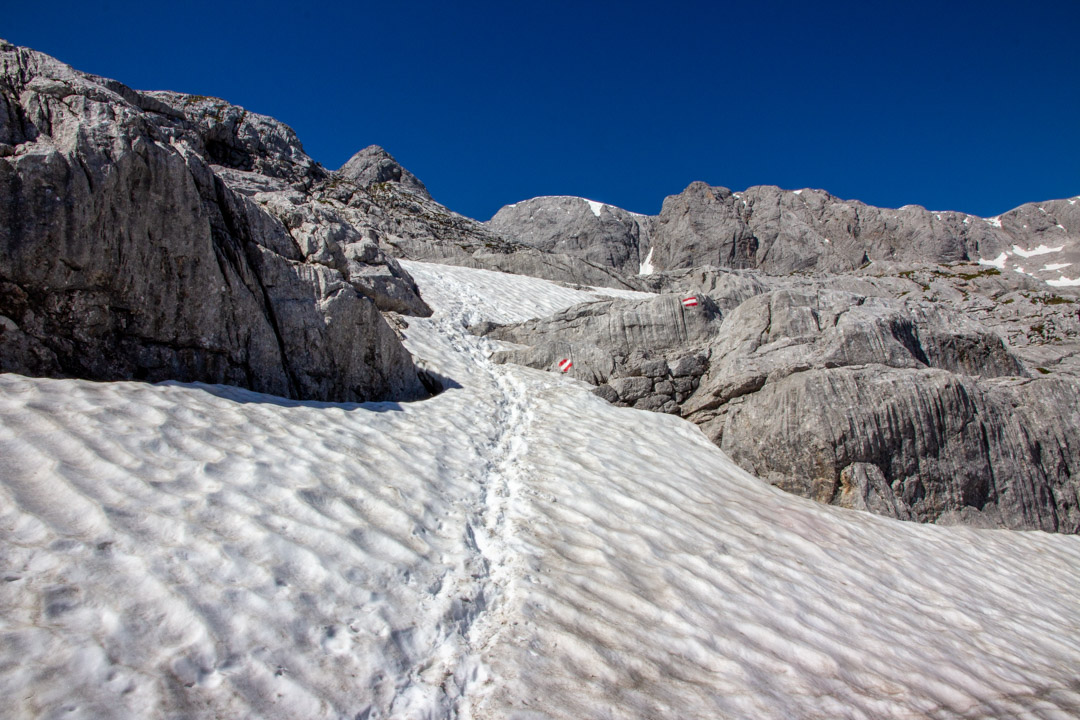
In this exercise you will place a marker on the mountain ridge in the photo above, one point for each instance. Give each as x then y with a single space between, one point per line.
782 231
200 242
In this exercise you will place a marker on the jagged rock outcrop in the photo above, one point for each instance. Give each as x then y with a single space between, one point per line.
262 159
950 447
393 209
603 234
785 231
619 339
887 401
780 231
1040 324
374 166
161 236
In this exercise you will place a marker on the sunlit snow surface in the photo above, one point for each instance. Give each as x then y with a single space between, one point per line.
647 266
998 262
1041 250
512 548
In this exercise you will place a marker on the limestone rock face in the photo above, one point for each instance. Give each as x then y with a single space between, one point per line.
228 136
373 165
812 390
641 353
864 391
394 210
603 234
780 231
784 231
938 445
158 236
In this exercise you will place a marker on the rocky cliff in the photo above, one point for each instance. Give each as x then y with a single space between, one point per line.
163 236
784 231
918 364
393 209
931 393
781 231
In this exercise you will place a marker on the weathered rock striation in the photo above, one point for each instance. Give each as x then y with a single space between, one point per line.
871 392
163 236
641 353
784 231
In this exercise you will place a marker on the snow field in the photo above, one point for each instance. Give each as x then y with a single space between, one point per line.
207 551
1041 250
512 548
676 585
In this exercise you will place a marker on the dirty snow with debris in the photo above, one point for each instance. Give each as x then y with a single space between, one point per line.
513 547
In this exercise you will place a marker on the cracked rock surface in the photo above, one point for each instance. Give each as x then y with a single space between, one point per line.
162 236
922 394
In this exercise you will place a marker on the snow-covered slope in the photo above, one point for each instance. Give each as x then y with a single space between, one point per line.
514 547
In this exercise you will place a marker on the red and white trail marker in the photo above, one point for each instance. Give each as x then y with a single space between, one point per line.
565 365
689 302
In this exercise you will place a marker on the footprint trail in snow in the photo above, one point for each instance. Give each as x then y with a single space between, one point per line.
513 547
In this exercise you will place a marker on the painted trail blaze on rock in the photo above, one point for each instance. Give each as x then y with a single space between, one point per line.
565 365
690 302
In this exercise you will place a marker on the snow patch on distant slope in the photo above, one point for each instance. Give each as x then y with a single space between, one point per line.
596 207
647 266
1063 281
1041 250
998 262
501 297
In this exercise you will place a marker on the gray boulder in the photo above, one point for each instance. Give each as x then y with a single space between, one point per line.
128 254
652 324
612 338
640 353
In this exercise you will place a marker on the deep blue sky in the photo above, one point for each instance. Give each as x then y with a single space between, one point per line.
955 105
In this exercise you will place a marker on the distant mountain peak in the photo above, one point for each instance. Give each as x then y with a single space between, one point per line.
374 165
